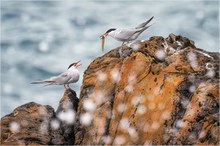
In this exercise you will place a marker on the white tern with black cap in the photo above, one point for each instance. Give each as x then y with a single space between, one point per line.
65 78
126 34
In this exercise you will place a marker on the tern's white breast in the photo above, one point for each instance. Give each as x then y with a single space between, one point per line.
74 73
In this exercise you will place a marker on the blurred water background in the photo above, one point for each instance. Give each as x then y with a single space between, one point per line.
40 39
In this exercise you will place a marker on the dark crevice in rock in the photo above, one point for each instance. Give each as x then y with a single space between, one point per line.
124 101
133 113
144 76
161 87
34 140
87 90
181 105
144 52
108 117
108 121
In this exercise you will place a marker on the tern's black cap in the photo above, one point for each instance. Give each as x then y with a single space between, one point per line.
71 65
112 29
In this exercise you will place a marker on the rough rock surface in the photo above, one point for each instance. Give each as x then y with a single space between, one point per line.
158 91
66 112
36 124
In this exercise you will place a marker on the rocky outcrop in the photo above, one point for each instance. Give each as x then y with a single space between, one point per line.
66 114
162 91
158 91
36 124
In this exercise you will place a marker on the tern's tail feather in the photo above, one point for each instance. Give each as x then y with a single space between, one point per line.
144 28
43 82
137 33
144 24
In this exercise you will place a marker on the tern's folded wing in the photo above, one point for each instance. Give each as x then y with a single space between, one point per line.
124 34
62 78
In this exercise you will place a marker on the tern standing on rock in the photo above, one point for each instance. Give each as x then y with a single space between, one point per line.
65 78
126 34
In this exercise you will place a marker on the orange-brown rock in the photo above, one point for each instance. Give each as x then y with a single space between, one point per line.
36 124
158 91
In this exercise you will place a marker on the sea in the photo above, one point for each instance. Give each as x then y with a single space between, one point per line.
39 39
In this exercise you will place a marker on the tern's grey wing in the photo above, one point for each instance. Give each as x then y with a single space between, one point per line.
144 24
124 34
61 79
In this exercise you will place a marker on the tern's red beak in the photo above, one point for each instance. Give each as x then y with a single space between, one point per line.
77 64
104 35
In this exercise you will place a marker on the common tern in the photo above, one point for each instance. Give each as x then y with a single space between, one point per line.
65 78
126 34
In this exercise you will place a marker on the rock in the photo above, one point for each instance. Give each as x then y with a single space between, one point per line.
160 91
27 124
66 113
36 124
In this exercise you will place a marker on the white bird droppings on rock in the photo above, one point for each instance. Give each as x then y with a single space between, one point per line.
160 54
55 124
67 116
115 74
101 76
119 140
14 127
89 105
86 118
